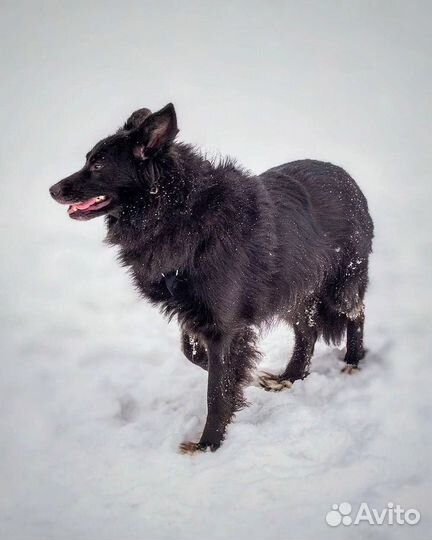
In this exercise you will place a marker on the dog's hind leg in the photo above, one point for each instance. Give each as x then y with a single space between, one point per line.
298 366
350 303
194 350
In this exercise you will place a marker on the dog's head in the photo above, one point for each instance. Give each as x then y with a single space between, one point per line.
111 171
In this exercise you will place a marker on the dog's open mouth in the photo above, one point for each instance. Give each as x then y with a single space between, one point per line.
84 208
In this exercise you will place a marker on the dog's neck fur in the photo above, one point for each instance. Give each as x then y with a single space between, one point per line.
187 185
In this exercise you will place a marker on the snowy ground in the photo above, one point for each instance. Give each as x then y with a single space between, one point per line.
95 393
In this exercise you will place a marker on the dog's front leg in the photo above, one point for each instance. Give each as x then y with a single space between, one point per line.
221 393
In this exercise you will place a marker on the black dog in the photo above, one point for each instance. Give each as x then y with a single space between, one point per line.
226 251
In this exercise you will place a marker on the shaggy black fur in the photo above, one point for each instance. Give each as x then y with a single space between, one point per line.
226 251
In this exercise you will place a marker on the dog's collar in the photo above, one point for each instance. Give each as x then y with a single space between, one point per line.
152 170
154 174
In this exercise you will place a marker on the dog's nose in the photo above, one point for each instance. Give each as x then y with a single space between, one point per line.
55 191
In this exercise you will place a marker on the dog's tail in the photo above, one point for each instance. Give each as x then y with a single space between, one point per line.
332 324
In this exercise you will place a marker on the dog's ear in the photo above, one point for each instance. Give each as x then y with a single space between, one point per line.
157 130
136 118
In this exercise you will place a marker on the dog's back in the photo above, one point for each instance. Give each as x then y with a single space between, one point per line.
325 237
335 201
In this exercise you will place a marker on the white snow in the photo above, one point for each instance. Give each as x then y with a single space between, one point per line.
95 393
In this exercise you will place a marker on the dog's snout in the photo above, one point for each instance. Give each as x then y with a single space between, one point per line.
68 188
54 191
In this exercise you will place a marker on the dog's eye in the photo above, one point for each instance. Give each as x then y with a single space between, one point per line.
97 166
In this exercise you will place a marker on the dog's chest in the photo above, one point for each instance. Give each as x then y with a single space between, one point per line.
159 275
177 294
173 286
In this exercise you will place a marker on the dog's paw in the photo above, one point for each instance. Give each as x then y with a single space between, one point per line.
272 383
349 369
191 448
188 447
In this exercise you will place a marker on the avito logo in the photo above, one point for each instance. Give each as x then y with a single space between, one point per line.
342 514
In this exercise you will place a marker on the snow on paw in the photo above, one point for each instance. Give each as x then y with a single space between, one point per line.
349 369
272 383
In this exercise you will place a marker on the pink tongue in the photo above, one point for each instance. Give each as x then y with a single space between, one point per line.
86 204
